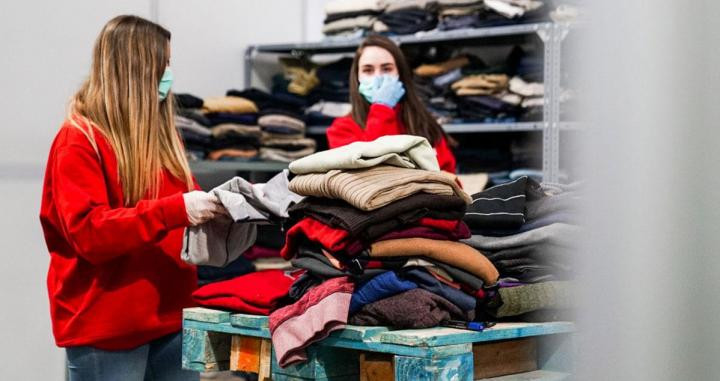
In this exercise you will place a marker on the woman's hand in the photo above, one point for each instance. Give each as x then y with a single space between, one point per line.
388 90
202 207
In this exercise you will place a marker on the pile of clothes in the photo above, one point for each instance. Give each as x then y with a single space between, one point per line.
378 237
464 88
218 128
529 232
356 18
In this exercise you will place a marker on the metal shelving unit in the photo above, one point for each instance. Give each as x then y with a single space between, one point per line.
551 35
464 128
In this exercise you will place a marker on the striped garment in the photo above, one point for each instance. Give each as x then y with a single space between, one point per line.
372 188
282 121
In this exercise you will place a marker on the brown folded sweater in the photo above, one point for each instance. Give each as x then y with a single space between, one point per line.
371 188
455 254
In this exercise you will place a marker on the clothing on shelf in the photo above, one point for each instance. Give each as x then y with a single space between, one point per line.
234 105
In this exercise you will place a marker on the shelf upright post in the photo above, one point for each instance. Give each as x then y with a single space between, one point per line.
548 167
248 58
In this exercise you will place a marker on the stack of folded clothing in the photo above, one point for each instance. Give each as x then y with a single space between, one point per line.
236 135
219 128
378 235
480 84
334 81
530 96
281 123
518 10
284 138
463 14
323 113
408 17
196 137
356 18
529 232
351 17
432 82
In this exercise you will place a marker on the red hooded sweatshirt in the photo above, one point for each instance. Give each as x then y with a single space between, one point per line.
116 280
381 120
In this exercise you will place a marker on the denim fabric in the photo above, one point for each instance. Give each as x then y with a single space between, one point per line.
159 360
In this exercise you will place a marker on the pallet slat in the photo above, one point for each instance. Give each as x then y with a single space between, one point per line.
449 336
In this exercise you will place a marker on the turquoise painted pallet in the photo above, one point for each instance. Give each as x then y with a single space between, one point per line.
422 354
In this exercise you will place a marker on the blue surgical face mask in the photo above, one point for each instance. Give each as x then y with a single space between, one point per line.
368 85
165 84
367 88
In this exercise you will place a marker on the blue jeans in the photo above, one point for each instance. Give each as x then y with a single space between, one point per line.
159 360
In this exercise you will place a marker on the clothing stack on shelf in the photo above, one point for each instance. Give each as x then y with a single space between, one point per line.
218 128
281 120
463 14
408 17
378 235
356 18
464 88
529 232
351 18
309 93
334 81
284 138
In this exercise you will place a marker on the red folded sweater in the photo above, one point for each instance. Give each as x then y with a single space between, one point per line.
254 293
336 240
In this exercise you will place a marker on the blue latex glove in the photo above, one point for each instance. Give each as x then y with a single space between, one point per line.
383 89
388 90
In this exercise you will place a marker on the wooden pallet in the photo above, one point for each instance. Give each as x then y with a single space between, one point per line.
218 340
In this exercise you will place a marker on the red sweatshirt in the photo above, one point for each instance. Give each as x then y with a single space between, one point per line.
116 280
381 120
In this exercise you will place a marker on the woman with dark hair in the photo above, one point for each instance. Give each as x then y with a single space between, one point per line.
384 102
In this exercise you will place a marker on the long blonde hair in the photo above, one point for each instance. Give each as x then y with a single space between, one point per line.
120 98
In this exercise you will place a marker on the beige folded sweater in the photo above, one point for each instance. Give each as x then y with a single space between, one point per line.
481 84
229 104
372 188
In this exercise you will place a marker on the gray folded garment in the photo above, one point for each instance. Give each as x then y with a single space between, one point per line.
559 234
534 297
223 239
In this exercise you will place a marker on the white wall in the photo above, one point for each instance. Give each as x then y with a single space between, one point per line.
209 38
46 50
46 53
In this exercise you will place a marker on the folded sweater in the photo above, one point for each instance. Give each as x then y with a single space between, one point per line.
406 151
370 189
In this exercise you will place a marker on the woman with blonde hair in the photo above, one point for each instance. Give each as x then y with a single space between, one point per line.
117 195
